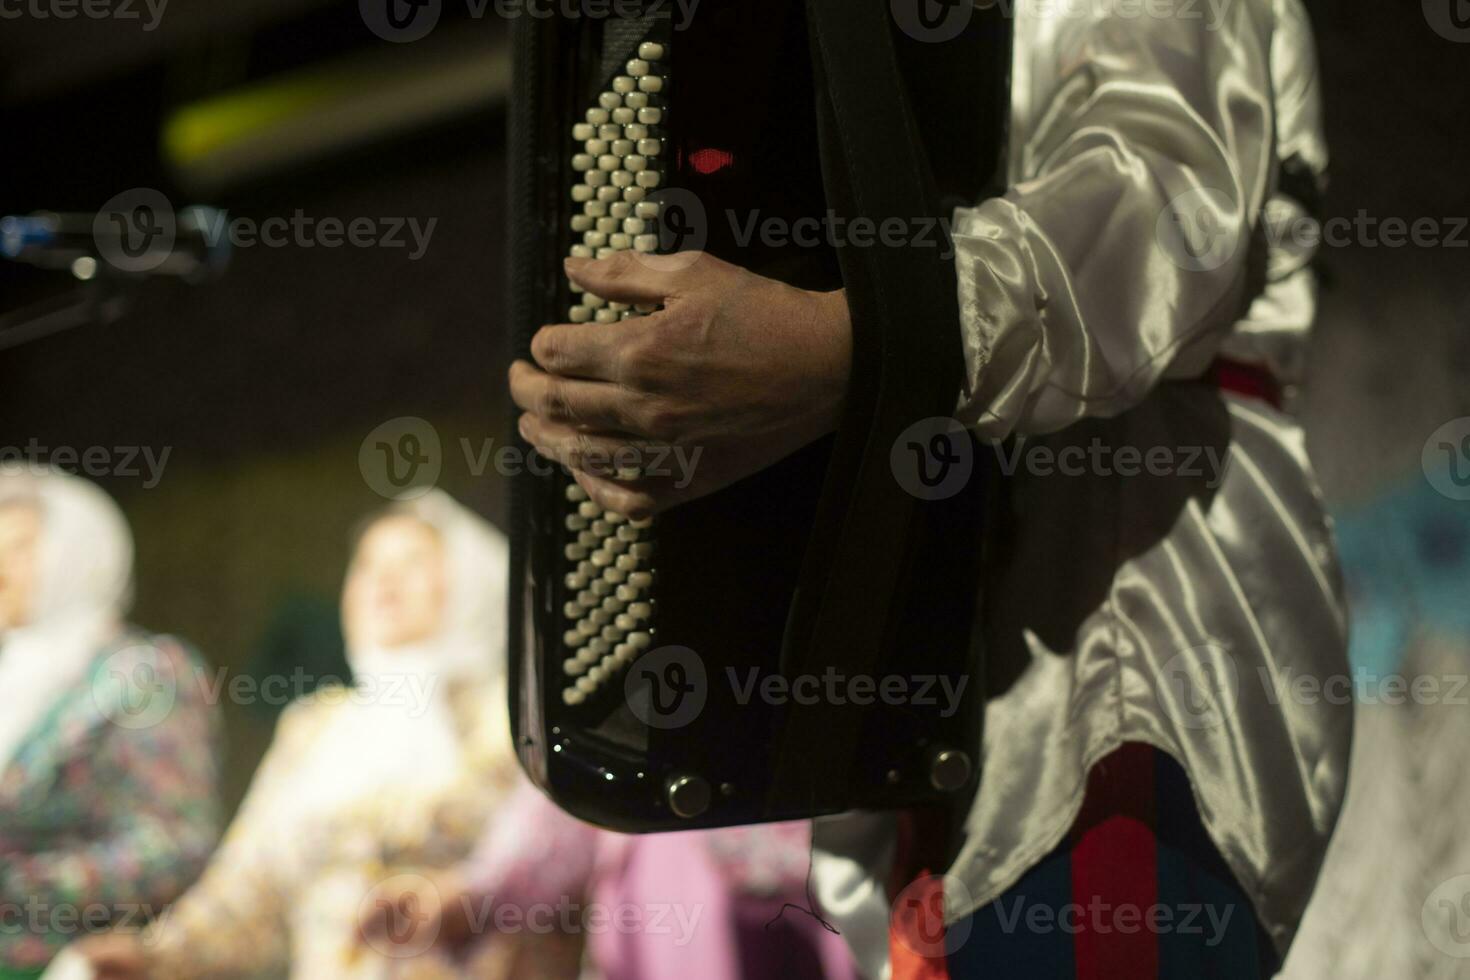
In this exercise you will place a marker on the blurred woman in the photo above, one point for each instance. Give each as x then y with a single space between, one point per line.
107 745
723 904
362 786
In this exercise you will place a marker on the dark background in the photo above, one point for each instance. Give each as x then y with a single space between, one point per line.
263 385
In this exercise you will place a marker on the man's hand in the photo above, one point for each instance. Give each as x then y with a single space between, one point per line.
430 908
734 373
114 956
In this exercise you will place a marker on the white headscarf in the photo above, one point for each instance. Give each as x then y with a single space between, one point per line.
397 729
83 589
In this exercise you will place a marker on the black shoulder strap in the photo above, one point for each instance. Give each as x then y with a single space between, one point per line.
908 364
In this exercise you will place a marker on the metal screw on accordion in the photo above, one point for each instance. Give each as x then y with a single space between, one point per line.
949 770
689 796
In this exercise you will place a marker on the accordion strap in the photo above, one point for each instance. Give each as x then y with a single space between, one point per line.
907 364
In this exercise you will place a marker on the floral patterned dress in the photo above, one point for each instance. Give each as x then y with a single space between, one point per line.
108 809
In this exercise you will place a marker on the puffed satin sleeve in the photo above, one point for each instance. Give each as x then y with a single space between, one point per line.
1139 145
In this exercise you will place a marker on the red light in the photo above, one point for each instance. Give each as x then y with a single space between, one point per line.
708 160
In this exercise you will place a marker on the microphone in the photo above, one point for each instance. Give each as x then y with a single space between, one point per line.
144 241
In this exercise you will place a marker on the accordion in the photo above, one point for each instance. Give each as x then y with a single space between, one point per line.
802 642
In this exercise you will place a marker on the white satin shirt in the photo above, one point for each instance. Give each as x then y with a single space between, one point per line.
1196 605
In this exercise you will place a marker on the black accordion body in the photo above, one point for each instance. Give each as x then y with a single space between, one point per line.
729 661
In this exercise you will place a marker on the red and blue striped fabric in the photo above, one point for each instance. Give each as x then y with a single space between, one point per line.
1136 892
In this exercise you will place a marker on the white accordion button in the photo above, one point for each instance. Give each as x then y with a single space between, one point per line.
651 83
636 100
575 493
633 194
635 163
607 316
650 115
583 161
619 241
648 210
595 178
609 162
648 178
624 116
651 51
581 222
609 225
621 179
634 226
610 193
640 640
596 147
594 239
623 85
634 131
573 638
610 100
573 697
598 117
638 68
646 243
650 148
610 132
581 193
585 131
579 314
621 147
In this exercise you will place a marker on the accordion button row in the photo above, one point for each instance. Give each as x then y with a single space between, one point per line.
608 602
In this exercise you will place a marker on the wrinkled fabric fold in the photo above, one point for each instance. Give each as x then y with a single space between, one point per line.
1187 608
